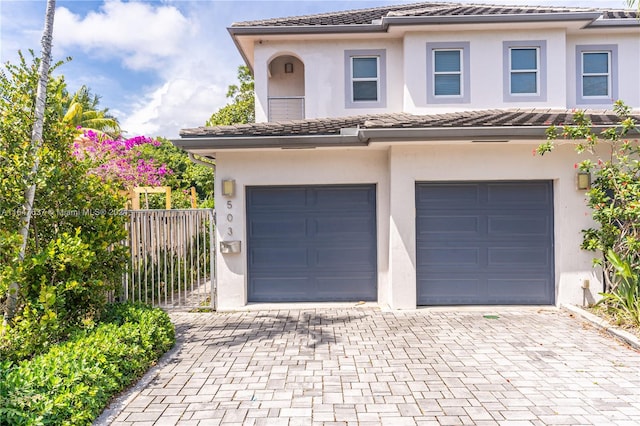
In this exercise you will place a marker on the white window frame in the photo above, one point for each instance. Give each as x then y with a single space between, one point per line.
365 79
535 71
612 81
380 55
465 83
540 47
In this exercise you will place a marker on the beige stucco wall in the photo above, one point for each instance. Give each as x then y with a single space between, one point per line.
406 71
395 168
482 162
291 167
628 66
486 69
324 74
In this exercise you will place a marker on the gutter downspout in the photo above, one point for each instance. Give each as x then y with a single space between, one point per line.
213 267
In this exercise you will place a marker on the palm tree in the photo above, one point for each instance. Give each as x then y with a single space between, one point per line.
36 144
82 111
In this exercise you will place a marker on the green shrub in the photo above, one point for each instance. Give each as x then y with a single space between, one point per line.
72 383
623 303
74 255
63 289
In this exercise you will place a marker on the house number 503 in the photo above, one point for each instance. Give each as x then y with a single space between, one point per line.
229 218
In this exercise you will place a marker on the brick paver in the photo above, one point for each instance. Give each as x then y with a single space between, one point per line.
364 366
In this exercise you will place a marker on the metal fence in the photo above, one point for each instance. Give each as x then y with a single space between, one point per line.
172 263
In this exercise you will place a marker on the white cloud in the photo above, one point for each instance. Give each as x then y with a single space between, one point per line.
176 104
179 50
141 35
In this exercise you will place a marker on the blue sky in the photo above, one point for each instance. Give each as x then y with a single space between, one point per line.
162 65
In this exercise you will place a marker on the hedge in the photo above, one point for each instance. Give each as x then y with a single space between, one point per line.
73 382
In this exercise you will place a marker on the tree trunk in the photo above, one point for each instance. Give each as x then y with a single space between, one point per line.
36 143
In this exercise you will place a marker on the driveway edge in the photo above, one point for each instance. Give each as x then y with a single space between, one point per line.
603 324
119 402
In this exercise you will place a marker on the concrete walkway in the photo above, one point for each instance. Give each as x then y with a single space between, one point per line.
364 366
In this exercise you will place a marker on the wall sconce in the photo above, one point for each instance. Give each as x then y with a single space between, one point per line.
288 67
584 180
228 187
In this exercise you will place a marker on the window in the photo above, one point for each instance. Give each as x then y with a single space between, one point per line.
596 74
525 71
596 79
448 72
365 73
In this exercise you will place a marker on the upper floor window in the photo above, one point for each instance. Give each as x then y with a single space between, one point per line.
448 72
365 81
525 71
596 80
365 77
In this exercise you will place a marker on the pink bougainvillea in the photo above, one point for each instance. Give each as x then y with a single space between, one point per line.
119 160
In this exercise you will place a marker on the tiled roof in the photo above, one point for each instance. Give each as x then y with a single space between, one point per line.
321 126
347 17
442 9
468 119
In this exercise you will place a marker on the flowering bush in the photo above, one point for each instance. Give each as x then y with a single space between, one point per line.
615 192
119 159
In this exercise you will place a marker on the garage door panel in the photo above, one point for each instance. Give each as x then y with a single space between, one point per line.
518 225
457 194
536 194
277 227
338 289
332 257
344 227
449 225
282 257
519 257
448 290
279 289
445 257
518 291
290 197
469 248
322 245
345 197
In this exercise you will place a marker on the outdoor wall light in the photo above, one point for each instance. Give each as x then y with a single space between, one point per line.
228 187
288 67
584 180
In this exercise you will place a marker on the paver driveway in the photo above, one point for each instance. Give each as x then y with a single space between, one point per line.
364 366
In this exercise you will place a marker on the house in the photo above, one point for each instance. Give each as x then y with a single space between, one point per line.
392 157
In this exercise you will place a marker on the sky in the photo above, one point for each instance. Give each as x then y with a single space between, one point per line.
163 65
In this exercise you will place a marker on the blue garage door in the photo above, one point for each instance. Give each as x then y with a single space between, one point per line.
484 243
311 243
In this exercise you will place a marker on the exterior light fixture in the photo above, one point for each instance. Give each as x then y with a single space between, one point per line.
584 180
228 187
288 67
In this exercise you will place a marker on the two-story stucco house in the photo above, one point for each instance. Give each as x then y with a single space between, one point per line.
392 157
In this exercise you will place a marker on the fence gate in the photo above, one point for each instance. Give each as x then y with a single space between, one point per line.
172 262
